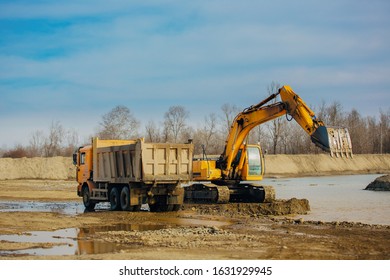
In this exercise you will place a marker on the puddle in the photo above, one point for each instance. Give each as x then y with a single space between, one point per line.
81 241
71 241
196 222
66 208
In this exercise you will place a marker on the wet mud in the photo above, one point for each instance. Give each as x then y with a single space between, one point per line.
69 241
380 184
53 229
278 207
67 208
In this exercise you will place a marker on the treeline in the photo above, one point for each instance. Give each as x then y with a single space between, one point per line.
369 135
58 141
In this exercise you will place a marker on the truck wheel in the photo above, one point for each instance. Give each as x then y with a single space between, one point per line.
156 206
88 203
135 208
115 199
153 207
160 205
176 207
125 199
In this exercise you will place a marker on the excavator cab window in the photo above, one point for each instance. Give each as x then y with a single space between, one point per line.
254 161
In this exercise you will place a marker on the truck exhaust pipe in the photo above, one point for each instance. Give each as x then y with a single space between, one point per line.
334 140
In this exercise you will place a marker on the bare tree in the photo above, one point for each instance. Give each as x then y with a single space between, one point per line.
72 141
153 133
256 135
208 137
384 131
37 144
54 140
276 126
119 123
175 122
332 114
229 112
17 152
357 130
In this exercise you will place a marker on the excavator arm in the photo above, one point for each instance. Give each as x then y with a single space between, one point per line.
333 140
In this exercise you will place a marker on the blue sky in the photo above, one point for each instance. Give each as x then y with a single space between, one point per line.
72 61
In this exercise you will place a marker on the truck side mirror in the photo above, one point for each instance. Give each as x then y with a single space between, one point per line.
75 159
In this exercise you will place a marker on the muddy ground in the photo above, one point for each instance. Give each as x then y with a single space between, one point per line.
381 183
236 231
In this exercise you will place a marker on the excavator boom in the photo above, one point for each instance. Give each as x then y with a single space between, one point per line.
334 140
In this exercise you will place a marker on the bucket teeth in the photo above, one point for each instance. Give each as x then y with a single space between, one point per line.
334 140
340 142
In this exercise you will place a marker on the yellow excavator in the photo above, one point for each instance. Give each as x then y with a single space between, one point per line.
225 179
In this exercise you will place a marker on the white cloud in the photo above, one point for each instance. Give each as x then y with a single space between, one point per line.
193 52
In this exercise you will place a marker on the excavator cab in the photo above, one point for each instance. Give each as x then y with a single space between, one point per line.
251 163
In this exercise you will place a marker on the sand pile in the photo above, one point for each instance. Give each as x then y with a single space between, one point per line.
323 164
275 165
54 168
380 184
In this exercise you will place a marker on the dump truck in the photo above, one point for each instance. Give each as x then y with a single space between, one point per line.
131 173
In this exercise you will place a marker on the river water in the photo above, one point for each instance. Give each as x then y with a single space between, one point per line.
337 198
331 198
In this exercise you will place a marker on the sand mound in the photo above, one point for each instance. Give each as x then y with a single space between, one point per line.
275 208
323 164
380 184
61 168
54 168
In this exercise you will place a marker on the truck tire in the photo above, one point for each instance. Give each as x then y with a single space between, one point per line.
160 205
115 204
125 199
88 203
176 207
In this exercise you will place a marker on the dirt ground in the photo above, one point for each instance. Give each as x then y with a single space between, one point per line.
236 231
381 183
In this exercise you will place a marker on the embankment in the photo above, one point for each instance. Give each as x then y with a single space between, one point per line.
55 168
61 168
322 164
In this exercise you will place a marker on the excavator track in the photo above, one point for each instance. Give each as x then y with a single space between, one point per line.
206 193
254 193
209 193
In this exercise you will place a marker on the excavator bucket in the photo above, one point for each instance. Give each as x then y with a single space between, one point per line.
334 140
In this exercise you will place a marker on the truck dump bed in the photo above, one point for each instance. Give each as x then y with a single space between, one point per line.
117 161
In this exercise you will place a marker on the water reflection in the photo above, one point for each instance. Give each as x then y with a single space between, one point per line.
71 241
66 208
337 198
